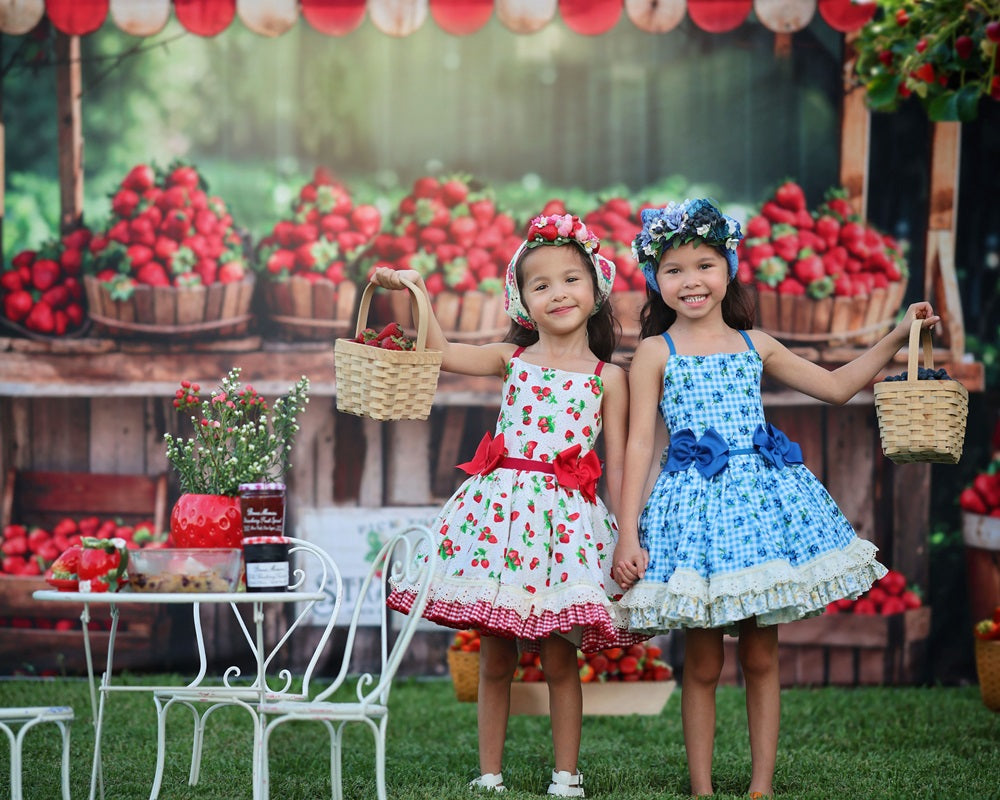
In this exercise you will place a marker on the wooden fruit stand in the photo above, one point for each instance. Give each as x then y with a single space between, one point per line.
102 405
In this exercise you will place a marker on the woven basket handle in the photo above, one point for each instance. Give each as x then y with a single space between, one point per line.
918 335
423 311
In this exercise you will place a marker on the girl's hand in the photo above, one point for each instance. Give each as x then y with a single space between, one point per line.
628 564
389 278
922 311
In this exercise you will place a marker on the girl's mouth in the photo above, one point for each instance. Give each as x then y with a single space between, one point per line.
694 299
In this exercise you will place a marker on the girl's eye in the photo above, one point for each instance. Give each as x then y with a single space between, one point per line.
539 287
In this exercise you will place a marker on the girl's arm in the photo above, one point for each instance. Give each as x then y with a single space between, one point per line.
466 359
839 385
614 413
645 386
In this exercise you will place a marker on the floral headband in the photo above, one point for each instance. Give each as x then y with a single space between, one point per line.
556 229
699 221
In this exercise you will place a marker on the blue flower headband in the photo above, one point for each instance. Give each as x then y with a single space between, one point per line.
693 221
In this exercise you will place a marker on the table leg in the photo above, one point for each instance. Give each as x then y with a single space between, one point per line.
96 773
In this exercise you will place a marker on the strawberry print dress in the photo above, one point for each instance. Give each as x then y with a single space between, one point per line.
736 526
525 544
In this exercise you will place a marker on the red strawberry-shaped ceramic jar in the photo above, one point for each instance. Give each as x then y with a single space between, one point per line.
206 520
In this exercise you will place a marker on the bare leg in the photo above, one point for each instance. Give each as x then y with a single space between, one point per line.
703 659
565 700
497 661
759 660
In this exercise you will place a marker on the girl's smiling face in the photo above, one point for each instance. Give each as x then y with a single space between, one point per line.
557 287
693 280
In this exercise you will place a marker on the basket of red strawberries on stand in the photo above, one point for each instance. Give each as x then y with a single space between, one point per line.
310 262
824 277
453 234
171 263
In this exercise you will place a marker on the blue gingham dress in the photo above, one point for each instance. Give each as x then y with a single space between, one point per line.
753 540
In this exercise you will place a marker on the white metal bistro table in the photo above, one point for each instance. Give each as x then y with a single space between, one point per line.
257 690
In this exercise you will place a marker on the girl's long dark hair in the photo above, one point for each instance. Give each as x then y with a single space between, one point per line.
738 310
603 328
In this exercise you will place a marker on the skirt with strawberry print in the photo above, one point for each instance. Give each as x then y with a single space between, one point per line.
520 555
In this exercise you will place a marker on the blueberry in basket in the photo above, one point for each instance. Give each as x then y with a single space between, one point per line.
923 374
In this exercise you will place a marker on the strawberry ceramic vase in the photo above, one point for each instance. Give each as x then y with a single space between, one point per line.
206 520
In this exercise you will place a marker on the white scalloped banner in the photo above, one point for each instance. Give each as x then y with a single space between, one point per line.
784 16
140 17
655 16
268 17
403 17
20 16
397 17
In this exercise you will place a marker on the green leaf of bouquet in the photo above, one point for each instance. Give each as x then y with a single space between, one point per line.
883 91
944 107
967 99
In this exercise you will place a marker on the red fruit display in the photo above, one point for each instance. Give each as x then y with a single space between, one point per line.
616 222
889 595
325 238
166 230
982 496
452 233
829 251
640 662
40 291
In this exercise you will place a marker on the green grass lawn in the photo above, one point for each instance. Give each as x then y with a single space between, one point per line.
835 743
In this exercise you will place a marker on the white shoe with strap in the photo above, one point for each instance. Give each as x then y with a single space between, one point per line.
490 781
566 784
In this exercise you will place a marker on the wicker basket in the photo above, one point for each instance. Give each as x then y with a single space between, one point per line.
172 312
921 420
464 669
988 670
387 384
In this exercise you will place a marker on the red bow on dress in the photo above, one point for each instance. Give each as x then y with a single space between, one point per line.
488 456
574 472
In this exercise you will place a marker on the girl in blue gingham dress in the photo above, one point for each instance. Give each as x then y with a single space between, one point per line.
737 534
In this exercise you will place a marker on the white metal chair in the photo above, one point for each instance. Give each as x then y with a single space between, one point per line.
28 717
402 558
313 571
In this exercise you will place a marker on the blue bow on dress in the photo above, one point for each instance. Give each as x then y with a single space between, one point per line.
710 453
775 447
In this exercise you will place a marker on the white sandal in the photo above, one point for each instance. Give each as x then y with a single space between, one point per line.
491 781
566 784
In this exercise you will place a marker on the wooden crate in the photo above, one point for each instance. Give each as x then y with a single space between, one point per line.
29 639
848 650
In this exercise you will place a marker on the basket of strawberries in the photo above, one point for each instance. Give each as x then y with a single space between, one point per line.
987 636
463 665
822 277
171 263
309 262
386 375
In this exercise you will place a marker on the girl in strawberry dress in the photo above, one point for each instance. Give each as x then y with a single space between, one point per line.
525 544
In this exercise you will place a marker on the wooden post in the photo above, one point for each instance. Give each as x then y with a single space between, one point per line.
940 278
68 89
855 129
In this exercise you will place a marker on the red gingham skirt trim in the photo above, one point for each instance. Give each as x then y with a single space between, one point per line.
598 631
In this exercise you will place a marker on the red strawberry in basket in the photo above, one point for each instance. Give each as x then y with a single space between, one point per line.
102 564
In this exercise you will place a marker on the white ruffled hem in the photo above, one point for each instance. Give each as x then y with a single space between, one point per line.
773 592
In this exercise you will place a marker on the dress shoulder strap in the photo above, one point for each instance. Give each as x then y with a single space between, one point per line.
517 352
670 343
746 338
600 366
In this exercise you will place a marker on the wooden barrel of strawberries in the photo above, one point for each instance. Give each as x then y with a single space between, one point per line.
171 263
823 277
451 232
310 263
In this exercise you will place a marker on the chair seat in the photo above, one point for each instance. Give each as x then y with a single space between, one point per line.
28 717
331 711
40 713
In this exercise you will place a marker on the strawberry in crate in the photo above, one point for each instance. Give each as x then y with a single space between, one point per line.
41 294
890 595
310 262
453 234
823 275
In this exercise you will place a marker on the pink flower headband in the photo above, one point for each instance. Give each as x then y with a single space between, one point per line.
557 229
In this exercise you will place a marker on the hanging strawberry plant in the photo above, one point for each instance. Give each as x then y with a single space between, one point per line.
942 51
